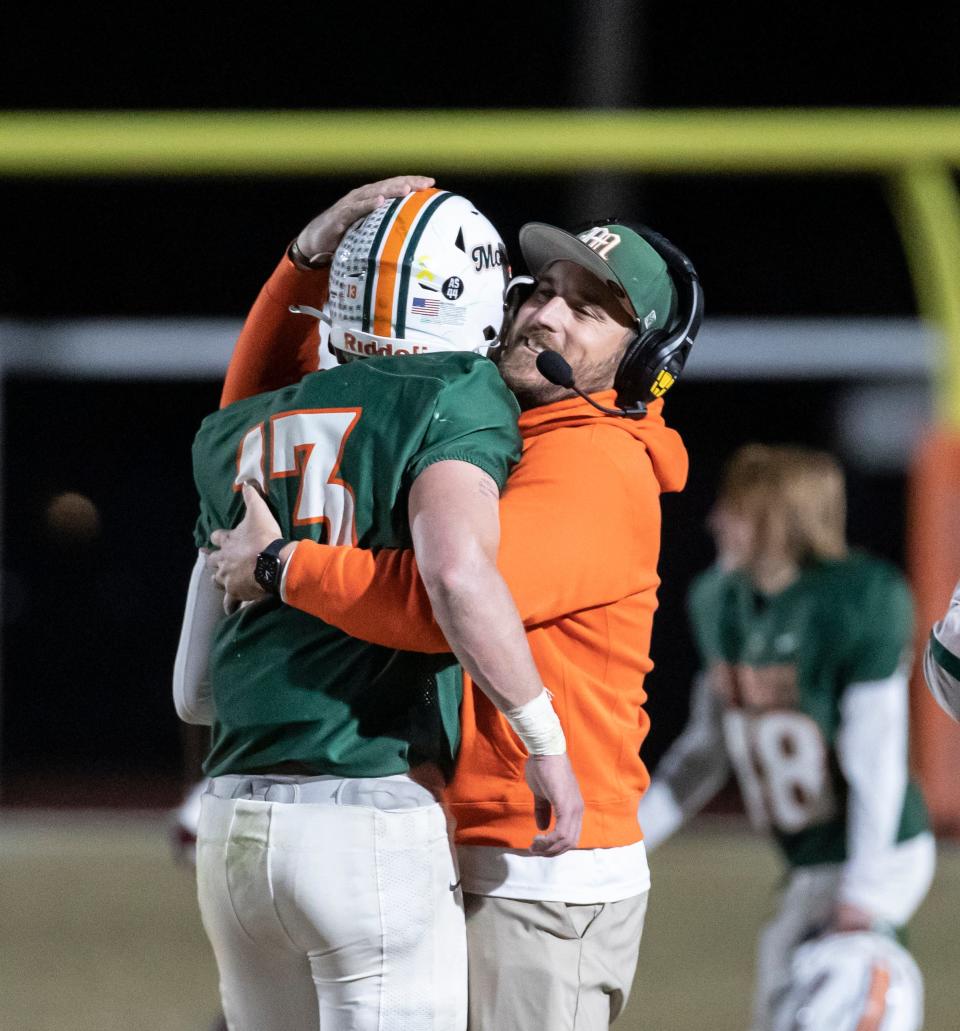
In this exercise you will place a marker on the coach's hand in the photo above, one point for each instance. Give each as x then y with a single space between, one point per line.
555 791
322 235
232 566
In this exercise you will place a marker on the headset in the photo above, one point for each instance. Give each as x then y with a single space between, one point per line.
653 358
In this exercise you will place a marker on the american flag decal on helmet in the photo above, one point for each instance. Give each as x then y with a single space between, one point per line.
425 306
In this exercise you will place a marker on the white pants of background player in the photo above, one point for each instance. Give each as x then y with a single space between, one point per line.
342 914
808 902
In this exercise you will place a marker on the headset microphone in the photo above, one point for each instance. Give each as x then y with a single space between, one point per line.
555 368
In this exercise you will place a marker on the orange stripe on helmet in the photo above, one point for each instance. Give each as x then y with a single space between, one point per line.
876 1004
390 255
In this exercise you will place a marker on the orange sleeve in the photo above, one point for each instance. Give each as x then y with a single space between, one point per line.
377 597
577 531
275 347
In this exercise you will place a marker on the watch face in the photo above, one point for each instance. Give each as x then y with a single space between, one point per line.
265 572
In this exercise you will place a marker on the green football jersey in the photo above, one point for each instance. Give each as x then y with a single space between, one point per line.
336 455
784 664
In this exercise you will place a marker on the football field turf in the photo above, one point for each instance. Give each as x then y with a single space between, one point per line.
99 929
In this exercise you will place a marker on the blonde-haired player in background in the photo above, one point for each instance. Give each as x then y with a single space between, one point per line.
805 643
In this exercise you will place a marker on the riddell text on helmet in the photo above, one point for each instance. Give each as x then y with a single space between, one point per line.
380 347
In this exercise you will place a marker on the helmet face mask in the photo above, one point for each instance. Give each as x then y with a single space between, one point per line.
845 981
422 274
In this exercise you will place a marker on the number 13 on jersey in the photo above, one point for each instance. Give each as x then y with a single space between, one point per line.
308 444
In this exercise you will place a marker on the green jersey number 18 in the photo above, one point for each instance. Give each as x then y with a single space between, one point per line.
780 759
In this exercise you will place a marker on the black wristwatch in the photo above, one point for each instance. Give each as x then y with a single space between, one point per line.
268 568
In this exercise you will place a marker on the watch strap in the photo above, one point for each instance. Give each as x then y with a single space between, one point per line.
274 548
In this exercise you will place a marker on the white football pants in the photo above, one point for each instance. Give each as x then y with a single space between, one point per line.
333 916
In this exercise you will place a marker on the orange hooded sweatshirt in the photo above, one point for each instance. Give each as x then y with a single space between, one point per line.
580 542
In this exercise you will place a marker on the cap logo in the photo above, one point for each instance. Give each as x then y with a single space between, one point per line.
601 240
650 318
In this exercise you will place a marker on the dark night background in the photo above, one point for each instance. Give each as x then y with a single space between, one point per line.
90 630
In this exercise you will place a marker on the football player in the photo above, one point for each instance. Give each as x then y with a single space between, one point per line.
806 644
326 880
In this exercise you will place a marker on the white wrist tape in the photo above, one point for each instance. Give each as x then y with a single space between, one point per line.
538 727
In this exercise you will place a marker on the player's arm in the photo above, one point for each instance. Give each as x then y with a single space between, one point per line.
691 772
276 347
872 752
872 745
454 523
202 612
941 659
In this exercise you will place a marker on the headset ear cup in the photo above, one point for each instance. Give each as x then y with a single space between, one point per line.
667 371
634 375
652 363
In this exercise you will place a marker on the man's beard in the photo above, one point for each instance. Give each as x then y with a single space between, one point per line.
532 390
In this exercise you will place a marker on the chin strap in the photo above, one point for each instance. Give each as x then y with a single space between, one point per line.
305 309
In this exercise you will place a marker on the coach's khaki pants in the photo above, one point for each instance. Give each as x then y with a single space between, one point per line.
550 966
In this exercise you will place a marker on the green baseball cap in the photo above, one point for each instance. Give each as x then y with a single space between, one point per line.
618 256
